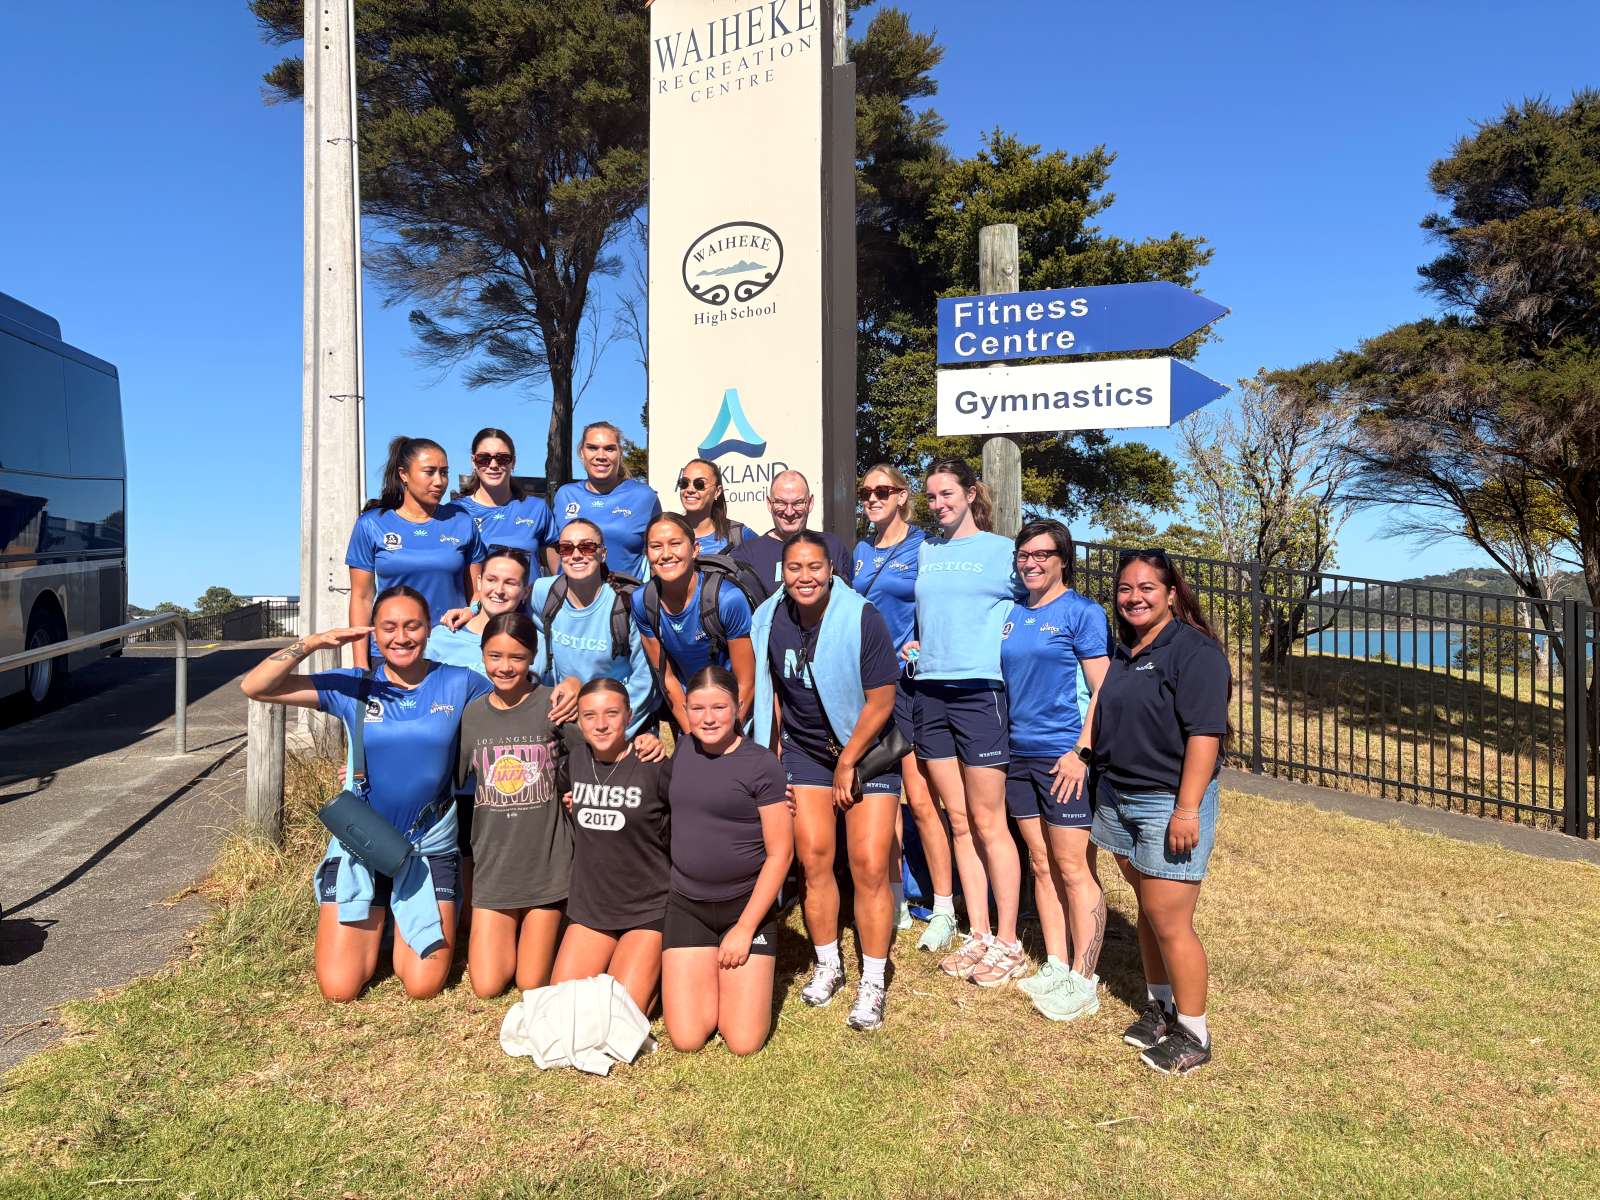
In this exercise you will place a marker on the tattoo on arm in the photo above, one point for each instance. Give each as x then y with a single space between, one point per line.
1090 958
292 653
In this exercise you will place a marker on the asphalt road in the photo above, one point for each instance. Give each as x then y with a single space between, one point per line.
103 829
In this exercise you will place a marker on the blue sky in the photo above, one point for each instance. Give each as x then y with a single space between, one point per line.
152 204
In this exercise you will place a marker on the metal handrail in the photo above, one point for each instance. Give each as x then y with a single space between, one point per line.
178 621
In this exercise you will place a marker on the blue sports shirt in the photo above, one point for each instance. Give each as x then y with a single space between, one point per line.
580 641
409 733
1041 652
458 647
622 516
965 589
888 578
524 524
683 639
431 556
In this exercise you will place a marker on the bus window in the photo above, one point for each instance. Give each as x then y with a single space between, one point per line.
94 422
33 409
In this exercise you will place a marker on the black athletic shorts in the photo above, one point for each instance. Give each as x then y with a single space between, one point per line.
703 922
657 925
464 807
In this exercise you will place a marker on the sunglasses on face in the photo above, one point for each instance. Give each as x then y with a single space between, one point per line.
881 492
1039 556
492 460
699 485
587 548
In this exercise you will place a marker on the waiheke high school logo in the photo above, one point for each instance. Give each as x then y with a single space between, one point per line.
731 432
735 261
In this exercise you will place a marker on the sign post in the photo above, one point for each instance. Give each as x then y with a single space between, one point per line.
998 272
752 250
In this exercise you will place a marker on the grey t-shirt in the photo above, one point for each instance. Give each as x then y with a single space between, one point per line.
521 834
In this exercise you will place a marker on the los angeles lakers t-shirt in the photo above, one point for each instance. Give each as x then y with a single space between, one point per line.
521 834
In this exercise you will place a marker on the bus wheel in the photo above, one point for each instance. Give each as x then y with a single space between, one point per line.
45 682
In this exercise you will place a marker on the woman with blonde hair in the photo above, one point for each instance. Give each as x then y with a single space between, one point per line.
886 574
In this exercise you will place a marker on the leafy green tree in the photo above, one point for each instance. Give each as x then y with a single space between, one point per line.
503 151
919 210
215 601
1486 420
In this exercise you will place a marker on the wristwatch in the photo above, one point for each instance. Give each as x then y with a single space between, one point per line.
1084 753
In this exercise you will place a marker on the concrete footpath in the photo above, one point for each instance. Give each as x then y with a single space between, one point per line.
103 829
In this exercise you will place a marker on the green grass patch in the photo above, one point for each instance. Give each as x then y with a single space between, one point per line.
1394 1013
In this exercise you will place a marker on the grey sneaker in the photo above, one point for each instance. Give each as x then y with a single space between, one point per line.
941 931
826 980
867 1012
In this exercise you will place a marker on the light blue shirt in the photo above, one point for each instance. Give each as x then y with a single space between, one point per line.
622 515
580 643
458 647
1041 653
965 589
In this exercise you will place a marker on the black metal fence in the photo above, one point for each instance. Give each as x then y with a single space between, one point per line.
1449 697
259 619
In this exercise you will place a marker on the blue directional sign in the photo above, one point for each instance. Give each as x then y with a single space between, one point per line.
1091 320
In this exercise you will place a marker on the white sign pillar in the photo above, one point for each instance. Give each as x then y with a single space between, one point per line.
333 424
752 250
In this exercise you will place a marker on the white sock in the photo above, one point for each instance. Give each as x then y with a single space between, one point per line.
1161 993
872 969
828 955
897 894
944 904
1196 1027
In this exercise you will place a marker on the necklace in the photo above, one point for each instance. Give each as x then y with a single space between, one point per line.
615 767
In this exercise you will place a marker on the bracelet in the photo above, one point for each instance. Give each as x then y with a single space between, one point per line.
1185 812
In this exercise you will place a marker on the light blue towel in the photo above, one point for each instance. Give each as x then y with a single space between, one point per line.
835 667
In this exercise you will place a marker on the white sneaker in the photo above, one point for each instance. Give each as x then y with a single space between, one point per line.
826 980
867 1012
902 919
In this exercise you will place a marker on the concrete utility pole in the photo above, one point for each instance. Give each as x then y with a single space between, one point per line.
332 455
1002 458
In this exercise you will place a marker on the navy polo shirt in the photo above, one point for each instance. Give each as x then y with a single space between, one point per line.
1150 705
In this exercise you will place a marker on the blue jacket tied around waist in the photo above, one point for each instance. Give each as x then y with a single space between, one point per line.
835 665
416 909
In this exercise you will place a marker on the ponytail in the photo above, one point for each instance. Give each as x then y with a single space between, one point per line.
983 507
402 453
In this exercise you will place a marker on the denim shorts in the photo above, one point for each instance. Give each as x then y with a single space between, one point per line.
1134 826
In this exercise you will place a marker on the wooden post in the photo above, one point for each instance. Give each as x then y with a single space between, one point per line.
263 789
1002 457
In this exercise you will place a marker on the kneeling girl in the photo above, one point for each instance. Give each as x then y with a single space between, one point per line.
618 901
521 836
732 840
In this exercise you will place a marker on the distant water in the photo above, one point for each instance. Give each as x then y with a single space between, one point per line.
1437 648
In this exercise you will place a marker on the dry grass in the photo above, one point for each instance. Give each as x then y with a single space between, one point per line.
1395 1014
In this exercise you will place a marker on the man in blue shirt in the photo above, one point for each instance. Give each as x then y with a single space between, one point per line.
620 508
789 500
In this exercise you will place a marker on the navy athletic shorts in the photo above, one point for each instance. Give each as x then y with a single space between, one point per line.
964 719
1028 783
805 771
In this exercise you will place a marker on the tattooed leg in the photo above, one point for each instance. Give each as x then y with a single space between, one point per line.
1086 904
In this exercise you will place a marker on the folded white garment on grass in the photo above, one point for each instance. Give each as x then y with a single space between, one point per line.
583 1023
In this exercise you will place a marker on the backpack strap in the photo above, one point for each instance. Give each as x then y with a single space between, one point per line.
652 608
736 532
710 616
547 619
620 622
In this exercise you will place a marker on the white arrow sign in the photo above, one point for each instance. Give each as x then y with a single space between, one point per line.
1049 397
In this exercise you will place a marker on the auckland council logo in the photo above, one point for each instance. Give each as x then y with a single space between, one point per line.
732 421
735 261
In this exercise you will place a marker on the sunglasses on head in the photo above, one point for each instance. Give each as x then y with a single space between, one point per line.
1156 552
496 460
699 485
882 492
588 548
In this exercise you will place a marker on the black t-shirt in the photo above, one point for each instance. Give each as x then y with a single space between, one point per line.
521 837
765 554
1150 705
717 847
620 862
790 650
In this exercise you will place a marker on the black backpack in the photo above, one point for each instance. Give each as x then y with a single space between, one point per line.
715 569
622 587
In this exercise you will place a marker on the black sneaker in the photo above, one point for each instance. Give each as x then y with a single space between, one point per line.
1176 1054
1150 1028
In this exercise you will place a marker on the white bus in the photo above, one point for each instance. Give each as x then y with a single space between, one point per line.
63 499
